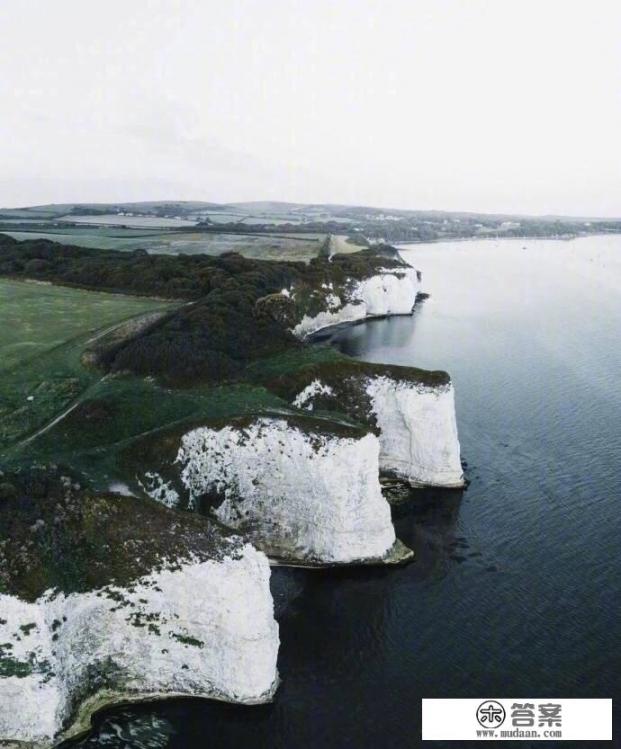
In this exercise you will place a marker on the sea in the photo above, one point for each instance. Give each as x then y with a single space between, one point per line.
515 590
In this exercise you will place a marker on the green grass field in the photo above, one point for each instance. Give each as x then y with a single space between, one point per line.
43 332
38 317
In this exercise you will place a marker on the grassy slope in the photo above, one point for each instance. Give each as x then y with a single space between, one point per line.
35 318
124 423
43 331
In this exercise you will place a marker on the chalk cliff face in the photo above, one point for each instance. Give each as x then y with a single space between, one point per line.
204 629
198 624
412 411
297 490
390 291
107 599
418 432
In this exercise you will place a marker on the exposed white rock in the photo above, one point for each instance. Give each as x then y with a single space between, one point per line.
327 318
204 628
418 430
120 487
161 491
316 387
297 494
418 439
392 291
333 301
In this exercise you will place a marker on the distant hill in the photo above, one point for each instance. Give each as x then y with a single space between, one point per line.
183 207
361 225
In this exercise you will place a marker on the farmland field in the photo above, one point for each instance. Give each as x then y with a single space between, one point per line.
166 241
139 221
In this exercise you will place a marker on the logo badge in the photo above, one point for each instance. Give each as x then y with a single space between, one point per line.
491 714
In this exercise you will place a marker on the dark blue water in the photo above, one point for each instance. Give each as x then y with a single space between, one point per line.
516 586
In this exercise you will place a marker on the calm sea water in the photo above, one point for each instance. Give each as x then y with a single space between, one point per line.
516 587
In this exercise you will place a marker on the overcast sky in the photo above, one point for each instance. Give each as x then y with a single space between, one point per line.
505 105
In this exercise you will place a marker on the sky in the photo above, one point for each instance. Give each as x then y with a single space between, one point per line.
508 106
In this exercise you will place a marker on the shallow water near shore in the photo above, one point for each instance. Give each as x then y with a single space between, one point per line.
515 591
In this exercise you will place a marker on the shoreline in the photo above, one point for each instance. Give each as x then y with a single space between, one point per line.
364 549
560 237
105 700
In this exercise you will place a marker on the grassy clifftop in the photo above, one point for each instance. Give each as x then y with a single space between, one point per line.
223 351
57 535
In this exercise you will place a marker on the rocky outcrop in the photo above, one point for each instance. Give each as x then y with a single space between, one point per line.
198 623
418 431
204 629
388 291
411 410
301 489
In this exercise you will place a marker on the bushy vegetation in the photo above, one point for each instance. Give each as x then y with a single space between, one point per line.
52 408
333 368
56 534
346 378
169 276
211 340
225 328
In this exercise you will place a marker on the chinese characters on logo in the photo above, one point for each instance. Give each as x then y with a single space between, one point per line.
523 714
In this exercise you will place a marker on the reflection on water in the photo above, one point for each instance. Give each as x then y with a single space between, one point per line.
515 587
139 728
427 523
393 333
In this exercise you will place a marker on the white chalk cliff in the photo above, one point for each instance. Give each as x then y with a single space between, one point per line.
391 291
203 628
418 431
297 493
416 421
